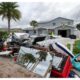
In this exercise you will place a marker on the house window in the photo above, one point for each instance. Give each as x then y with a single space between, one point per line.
54 24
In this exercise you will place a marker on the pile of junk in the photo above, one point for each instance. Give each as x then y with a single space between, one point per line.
50 58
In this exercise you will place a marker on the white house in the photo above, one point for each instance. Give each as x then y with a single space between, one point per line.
59 26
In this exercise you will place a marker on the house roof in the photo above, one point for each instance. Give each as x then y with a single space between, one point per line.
47 27
55 19
50 27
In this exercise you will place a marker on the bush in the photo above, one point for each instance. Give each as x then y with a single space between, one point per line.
68 46
3 35
76 47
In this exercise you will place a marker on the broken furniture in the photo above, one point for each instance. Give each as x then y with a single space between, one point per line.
63 69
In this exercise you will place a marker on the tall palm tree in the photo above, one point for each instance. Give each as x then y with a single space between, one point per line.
34 24
42 56
9 11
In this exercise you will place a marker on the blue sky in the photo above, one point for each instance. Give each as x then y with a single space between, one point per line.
45 11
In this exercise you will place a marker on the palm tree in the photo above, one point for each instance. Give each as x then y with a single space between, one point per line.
9 11
34 24
42 56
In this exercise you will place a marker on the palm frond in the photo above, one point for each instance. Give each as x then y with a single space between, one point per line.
9 10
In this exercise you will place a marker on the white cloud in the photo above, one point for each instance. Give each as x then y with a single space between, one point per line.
44 11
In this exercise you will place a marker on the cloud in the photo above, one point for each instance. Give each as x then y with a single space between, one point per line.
43 11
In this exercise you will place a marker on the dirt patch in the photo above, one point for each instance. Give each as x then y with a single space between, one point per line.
8 69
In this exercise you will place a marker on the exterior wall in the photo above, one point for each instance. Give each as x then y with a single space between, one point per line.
42 31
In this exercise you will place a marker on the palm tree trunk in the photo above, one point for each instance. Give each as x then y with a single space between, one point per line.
8 25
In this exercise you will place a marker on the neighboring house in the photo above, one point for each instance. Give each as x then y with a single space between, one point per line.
59 26
12 29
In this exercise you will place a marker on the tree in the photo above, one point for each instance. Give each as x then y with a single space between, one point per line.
78 26
9 11
42 56
34 24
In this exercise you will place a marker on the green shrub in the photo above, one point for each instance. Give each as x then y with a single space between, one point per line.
68 46
76 50
3 35
76 47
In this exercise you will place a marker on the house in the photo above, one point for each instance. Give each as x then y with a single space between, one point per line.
59 26
12 29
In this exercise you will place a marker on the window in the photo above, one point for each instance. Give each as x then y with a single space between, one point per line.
54 24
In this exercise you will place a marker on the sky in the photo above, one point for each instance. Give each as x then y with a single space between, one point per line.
45 11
